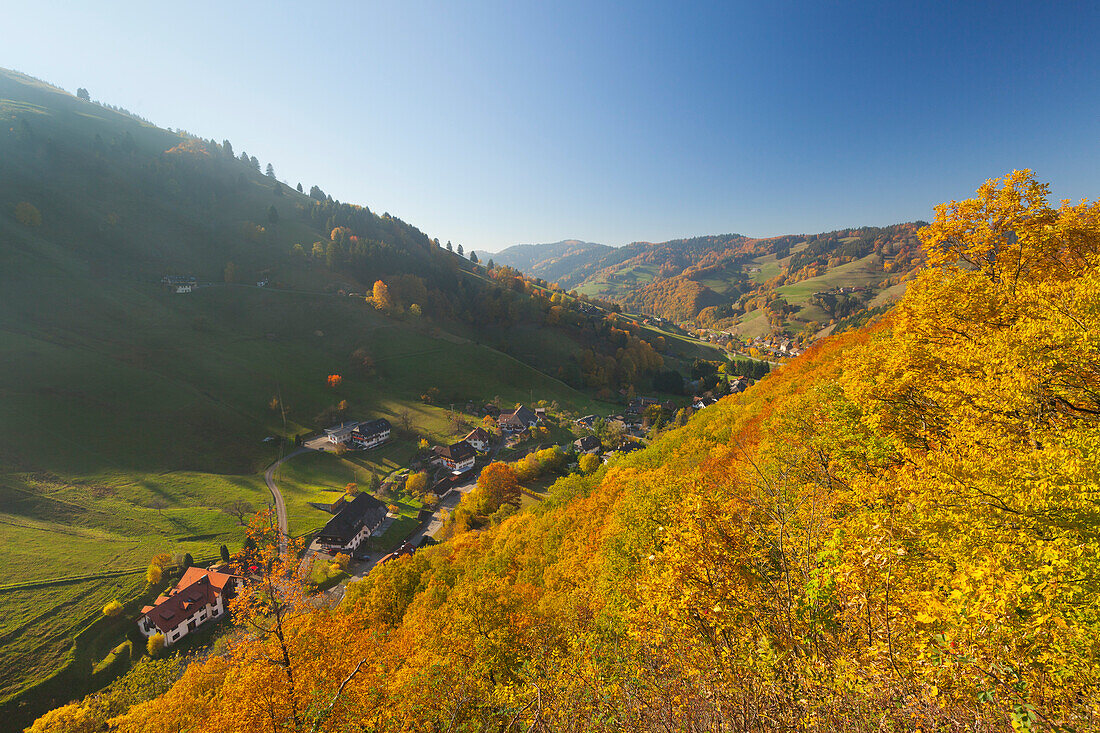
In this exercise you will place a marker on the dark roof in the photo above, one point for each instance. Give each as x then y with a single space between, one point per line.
459 451
522 413
364 509
520 416
478 434
373 427
587 443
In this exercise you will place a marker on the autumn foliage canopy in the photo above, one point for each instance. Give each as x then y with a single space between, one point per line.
896 531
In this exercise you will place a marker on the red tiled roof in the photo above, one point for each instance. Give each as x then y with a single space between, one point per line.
218 580
197 589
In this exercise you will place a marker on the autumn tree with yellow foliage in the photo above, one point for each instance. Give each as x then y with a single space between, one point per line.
917 537
896 531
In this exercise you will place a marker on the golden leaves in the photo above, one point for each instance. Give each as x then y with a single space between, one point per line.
899 527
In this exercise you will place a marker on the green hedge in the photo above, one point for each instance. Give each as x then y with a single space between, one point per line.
115 663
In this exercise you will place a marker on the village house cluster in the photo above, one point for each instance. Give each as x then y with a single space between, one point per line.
776 346
201 596
458 458
773 346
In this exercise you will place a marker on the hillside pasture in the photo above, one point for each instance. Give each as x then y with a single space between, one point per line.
722 281
133 418
751 325
864 272
770 265
38 625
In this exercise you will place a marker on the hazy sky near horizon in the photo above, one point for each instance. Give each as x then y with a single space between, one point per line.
496 123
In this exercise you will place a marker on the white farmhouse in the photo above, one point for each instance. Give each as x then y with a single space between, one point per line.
197 599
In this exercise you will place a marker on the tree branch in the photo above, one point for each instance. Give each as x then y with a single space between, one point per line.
340 691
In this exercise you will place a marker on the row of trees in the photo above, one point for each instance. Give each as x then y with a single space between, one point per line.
497 494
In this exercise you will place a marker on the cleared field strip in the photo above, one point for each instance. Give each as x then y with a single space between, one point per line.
88 576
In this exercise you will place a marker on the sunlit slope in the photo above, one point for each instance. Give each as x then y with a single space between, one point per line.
726 281
132 418
898 527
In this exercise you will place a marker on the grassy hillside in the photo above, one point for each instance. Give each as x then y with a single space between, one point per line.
125 430
133 418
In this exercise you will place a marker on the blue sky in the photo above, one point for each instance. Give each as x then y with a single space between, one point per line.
495 123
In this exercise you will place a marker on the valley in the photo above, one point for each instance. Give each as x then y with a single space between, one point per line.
772 289
138 415
275 462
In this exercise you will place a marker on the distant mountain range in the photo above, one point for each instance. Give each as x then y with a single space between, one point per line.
793 284
551 262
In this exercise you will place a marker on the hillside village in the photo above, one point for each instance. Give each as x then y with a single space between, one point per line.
810 444
360 522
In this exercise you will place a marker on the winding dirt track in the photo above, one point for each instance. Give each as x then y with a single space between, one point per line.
280 505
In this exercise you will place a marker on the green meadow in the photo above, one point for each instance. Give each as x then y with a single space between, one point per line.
136 421
864 272
133 422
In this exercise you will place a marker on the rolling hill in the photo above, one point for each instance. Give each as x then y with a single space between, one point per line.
549 262
794 285
134 417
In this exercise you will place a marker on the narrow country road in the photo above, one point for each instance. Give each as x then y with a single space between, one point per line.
280 505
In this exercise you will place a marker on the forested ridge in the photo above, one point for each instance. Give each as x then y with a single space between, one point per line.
96 194
556 262
896 531
689 271
783 287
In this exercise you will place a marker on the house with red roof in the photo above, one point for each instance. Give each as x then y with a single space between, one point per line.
199 598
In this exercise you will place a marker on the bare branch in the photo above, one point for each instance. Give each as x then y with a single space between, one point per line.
340 691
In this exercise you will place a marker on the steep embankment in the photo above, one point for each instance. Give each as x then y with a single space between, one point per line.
896 530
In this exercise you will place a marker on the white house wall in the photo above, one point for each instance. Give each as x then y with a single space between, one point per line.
213 611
